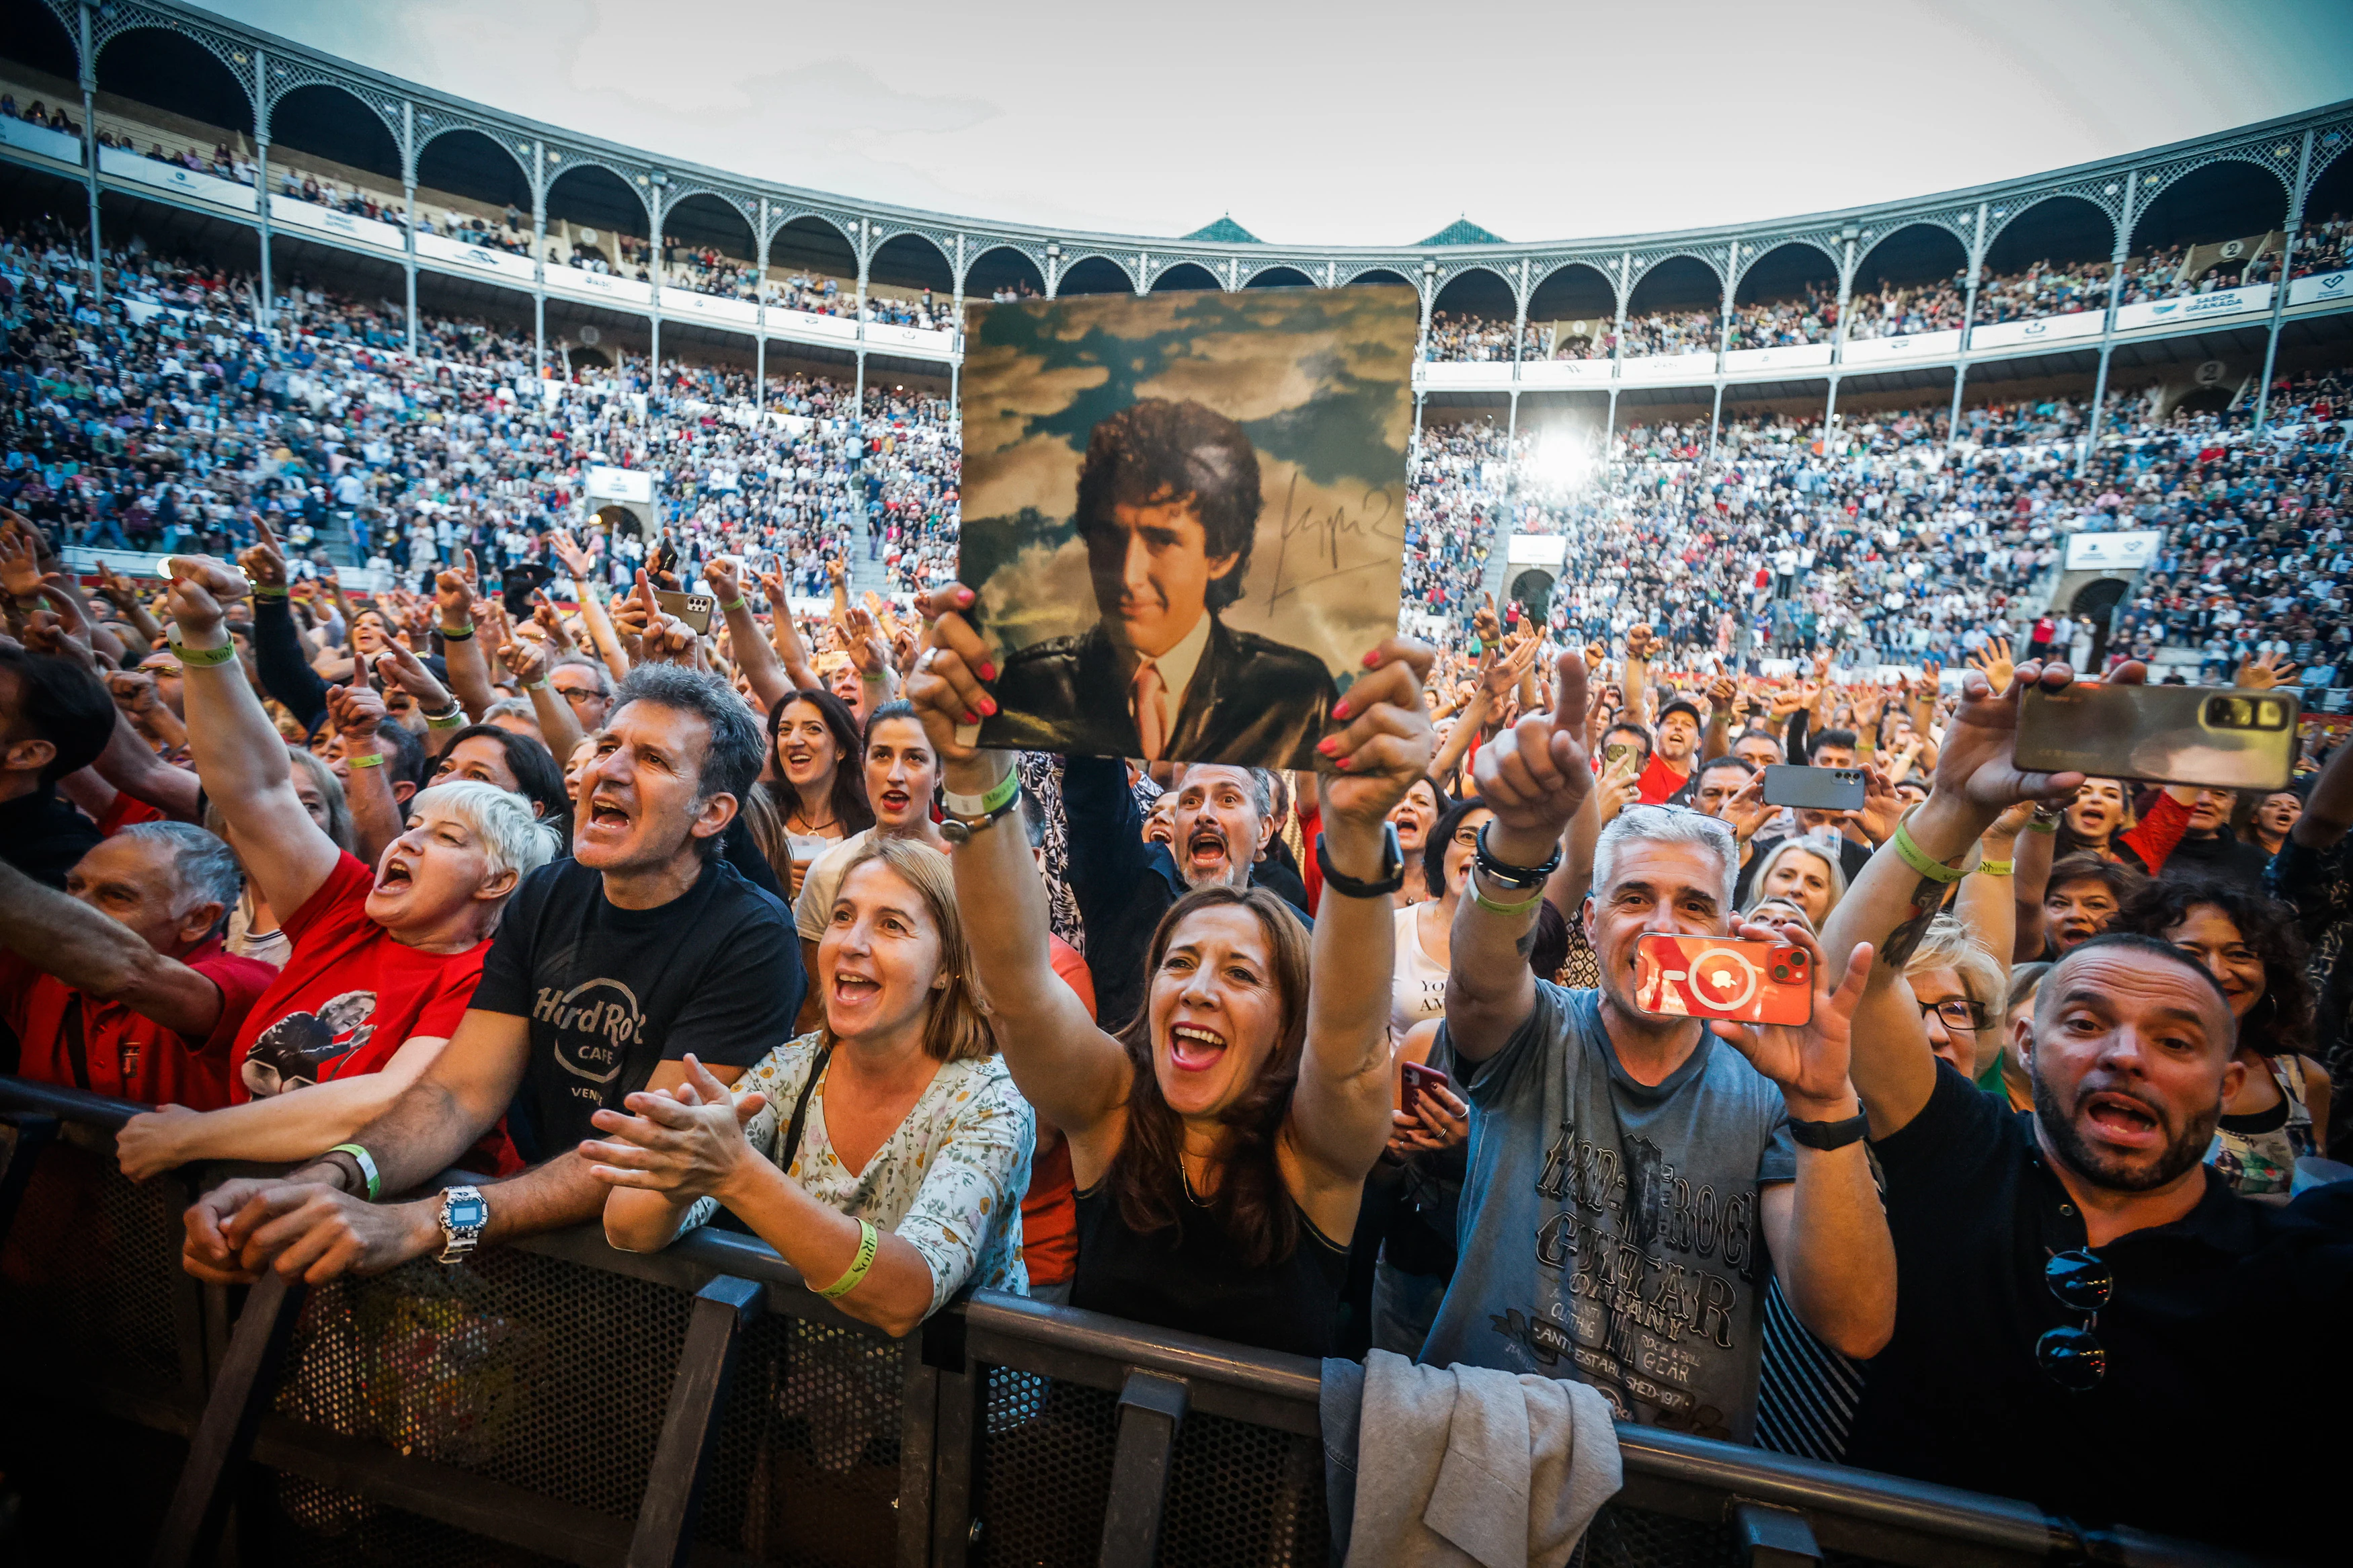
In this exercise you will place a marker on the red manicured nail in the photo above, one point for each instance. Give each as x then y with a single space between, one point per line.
1340 708
987 671
963 596
989 706
1328 744
1372 659
970 716
1344 763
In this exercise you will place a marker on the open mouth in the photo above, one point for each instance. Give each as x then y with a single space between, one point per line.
1192 1048
1205 847
2120 1119
395 877
608 814
854 988
894 801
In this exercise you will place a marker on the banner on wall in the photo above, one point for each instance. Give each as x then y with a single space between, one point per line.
2040 330
1564 372
2193 307
480 257
123 164
1668 368
2111 552
1918 345
2321 286
1793 356
1539 550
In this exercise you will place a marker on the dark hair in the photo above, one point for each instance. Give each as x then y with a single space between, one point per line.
1162 451
1628 727
1725 760
2133 942
1829 738
537 778
899 708
403 751
1441 834
2121 880
2279 1025
1251 1204
849 792
64 704
731 759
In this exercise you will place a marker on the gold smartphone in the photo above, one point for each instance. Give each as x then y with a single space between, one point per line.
2216 737
694 609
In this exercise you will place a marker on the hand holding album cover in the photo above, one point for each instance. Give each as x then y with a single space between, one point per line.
1184 514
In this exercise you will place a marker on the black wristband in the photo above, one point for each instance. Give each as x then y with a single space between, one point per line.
1392 869
1511 876
1830 1134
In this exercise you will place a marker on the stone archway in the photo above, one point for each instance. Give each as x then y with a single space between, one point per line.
1531 589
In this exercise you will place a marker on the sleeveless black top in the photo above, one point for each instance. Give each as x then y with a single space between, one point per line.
1191 1283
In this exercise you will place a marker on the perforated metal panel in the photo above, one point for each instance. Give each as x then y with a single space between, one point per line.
807 1464
1044 1474
1244 1495
318 1527
91 1268
1624 1537
538 1374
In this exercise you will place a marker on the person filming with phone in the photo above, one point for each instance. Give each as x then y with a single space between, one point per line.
2078 1278
1636 1178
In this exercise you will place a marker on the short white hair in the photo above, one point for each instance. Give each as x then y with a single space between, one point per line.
1665 825
513 838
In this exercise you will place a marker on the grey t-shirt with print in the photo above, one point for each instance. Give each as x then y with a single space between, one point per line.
1609 1229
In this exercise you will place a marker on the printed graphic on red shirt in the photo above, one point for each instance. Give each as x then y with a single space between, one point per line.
291 1052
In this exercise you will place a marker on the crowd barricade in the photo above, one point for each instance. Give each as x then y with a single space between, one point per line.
557 1401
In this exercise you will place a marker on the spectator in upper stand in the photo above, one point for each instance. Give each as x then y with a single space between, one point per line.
56 717
121 985
612 968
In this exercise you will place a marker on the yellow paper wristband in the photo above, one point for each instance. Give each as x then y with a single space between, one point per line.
869 1243
1917 858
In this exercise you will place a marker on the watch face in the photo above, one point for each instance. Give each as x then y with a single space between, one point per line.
466 1213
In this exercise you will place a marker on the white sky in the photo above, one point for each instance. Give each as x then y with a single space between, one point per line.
1376 123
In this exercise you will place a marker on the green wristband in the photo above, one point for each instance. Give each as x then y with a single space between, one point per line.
204 657
364 760
268 591
461 635
737 603
1917 858
868 1243
366 1163
1492 907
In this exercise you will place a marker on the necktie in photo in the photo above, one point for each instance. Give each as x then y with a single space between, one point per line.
1150 695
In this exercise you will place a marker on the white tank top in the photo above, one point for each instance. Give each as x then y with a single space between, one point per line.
1419 990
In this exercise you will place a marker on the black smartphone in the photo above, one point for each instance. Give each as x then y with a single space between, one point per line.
1814 789
663 560
520 583
2215 737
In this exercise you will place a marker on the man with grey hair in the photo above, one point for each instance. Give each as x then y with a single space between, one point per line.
1225 824
1637 1180
121 983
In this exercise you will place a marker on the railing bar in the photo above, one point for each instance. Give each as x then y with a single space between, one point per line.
697 1399
224 1436
919 1406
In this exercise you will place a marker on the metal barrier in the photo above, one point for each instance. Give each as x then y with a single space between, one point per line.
557 1401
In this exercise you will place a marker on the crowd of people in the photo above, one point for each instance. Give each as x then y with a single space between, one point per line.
1809 317
334 880
1901 311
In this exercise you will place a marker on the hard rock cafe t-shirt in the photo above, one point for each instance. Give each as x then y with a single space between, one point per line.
611 992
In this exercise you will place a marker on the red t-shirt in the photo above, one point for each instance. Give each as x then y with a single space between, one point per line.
1659 781
349 996
123 1054
126 811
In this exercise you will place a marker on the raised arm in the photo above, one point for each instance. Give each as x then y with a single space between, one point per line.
754 656
1077 1076
1340 1113
582 567
527 661
278 657
1890 903
461 649
103 958
356 711
786 634
1535 777
238 754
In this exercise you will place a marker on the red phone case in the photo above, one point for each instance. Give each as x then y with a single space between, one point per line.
1412 1076
1719 977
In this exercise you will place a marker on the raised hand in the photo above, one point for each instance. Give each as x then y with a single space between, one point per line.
947 685
725 578
2264 671
355 709
1536 775
550 620
575 561
1993 662
1882 809
20 562
527 659
1807 1062
1383 741
262 561
200 587
397 666
1979 760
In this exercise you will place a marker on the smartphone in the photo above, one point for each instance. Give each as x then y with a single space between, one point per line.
665 559
520 583
1815 789
1615 753
1720 977
694 609
2216 737
1414 1077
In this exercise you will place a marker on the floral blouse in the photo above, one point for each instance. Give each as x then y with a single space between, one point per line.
949 1181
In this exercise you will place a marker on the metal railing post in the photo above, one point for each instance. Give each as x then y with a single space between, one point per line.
224 1436
955 1437
1151 1408
698 1397
1772 1537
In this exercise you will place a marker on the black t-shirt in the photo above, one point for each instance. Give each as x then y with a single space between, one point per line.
2223 859
612 993
2220 1331
44 835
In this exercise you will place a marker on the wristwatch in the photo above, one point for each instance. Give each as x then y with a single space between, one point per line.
1392 875
464 1212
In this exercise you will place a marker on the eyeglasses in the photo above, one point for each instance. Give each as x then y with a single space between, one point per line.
2071 1357
1958 1012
